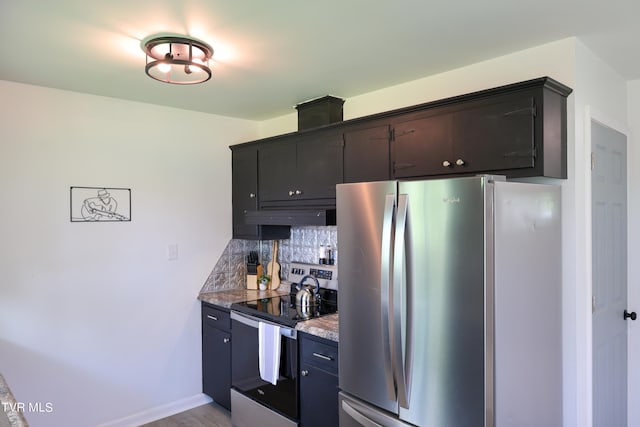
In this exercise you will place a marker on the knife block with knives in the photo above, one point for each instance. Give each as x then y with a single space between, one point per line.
254 270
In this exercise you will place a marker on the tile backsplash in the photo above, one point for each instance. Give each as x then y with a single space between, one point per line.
303 246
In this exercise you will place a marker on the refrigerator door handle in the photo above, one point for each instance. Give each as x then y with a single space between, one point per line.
385 292
401 323
360 418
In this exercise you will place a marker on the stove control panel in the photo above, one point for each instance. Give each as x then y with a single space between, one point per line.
327 275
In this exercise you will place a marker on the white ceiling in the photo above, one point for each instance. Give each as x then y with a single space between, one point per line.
271 55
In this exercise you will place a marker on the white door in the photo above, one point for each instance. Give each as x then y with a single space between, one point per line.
609 256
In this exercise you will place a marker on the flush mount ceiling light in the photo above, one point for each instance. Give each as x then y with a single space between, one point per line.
177 59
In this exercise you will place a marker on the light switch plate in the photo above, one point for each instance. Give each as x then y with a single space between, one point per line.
172 252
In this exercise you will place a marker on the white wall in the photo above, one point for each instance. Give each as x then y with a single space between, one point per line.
634 246
93 317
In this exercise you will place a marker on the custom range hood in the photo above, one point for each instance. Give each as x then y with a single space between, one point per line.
291 217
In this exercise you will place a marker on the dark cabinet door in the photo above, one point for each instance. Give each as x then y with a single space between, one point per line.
495 134
422 146
491 134
244 191
277 170
318 166
299 168
318 397
216 364
216 372
366 154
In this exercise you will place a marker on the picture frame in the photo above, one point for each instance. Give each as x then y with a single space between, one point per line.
100 204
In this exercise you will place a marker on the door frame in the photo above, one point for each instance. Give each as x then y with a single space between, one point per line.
584 309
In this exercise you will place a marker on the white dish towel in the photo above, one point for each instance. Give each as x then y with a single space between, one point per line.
269 351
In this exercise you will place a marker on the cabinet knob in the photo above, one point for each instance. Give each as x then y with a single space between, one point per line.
291 193
305 373
459 162
446 163
252 195
226 340
298 192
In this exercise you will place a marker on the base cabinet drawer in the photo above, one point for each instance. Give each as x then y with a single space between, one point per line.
318 382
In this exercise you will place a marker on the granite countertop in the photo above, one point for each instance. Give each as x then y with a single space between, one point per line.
324 327
10 416
227 297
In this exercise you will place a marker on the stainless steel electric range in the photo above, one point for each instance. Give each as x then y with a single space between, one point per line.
255 401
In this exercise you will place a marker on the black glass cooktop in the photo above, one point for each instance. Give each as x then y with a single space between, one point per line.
283 309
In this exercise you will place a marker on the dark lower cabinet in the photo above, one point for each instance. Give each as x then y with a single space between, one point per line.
216 354
318 381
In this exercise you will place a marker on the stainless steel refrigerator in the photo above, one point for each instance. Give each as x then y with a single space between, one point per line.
450 303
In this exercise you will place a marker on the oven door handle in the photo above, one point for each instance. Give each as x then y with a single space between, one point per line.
253 323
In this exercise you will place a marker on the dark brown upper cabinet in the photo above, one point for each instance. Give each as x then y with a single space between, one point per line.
421 143
300 169
516 132
244 195
366 153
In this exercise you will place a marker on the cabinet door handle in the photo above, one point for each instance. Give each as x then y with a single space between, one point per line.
323 357
459 162
305 373
446 163
252 195
214 318
298 192
291 193
226 340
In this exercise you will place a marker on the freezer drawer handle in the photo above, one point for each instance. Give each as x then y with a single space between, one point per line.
353 413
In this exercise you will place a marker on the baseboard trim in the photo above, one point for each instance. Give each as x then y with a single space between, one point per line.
159 412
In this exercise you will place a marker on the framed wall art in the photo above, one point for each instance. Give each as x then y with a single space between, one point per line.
100 204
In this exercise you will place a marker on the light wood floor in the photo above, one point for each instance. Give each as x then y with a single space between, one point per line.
210 415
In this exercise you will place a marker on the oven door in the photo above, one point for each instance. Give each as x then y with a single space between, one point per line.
245 371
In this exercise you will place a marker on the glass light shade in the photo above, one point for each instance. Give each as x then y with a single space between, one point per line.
178 60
